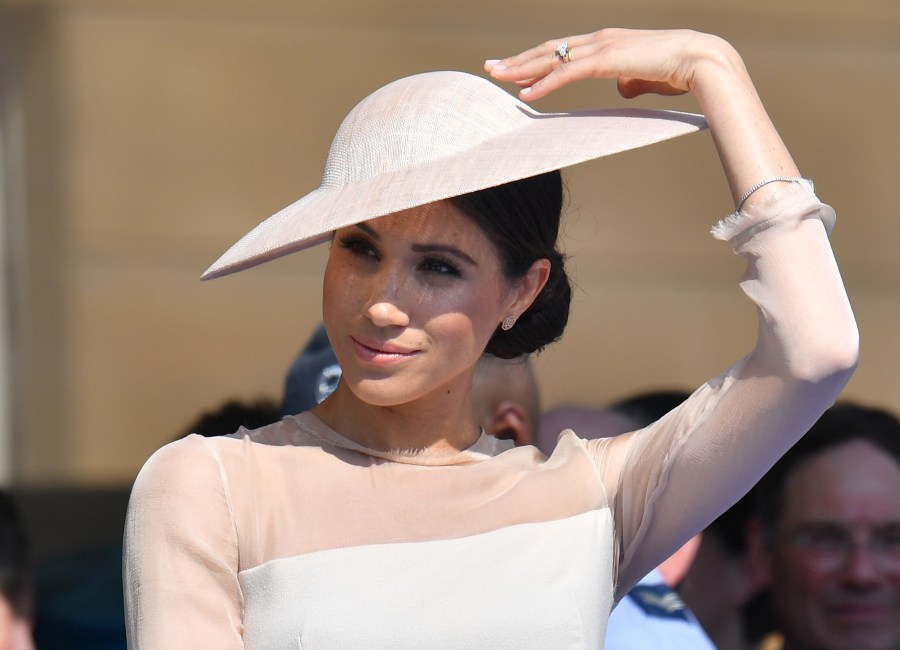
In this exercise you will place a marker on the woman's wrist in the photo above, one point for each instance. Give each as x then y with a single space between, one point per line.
749 146
718 72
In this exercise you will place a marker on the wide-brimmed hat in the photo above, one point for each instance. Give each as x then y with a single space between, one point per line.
437 135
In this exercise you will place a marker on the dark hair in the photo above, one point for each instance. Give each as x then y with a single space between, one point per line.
233 414
15 565
522 220
840 424
645 408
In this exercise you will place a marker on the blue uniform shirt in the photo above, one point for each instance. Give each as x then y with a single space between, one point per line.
653 616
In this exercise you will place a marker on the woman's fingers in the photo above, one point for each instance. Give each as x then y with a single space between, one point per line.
533 66
641 61
543 69
542 57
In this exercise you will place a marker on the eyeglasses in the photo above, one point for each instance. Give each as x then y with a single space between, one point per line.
829 546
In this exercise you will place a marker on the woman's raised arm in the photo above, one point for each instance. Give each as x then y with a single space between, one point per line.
673 478
759 169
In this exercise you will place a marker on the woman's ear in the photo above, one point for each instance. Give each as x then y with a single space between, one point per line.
529 286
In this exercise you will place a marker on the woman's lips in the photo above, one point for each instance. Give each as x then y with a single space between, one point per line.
381 352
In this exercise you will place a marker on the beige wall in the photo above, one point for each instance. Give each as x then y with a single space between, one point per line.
155 133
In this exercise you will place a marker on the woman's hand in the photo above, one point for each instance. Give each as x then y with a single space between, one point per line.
662 62
669 62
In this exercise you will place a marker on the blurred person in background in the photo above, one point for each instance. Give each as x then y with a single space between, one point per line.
505 398
80 592
231 415
722 587
827 536
16 579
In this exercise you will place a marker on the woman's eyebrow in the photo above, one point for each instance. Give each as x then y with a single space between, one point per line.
366 228
423 248
444 248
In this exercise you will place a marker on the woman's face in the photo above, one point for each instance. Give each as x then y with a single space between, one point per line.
410 301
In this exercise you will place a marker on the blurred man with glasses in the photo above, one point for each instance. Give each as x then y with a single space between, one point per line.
828 534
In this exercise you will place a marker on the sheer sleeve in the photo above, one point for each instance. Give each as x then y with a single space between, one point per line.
673 478
181 554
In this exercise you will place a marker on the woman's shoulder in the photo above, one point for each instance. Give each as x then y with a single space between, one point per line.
215 457
177 465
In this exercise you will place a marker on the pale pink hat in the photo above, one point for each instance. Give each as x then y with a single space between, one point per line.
437 135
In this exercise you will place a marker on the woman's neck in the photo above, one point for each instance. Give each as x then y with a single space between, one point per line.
437 424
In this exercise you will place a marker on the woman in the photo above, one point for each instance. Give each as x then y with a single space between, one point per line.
384 517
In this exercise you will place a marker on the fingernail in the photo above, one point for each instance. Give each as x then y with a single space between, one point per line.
525 91
494 64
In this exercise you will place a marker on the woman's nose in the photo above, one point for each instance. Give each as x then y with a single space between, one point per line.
384 308
384 313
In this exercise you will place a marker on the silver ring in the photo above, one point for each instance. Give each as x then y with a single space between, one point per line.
563 53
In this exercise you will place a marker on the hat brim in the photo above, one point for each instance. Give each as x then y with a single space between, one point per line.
544 142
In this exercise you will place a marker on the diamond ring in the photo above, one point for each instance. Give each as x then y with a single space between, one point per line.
563 53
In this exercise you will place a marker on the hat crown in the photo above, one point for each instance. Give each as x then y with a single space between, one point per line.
417 120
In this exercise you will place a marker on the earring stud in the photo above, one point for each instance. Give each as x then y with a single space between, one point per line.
508 323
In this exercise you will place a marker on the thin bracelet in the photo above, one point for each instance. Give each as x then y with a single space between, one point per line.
775 179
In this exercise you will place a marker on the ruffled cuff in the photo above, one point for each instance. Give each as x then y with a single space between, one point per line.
789 198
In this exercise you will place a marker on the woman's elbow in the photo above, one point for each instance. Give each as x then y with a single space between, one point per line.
829 359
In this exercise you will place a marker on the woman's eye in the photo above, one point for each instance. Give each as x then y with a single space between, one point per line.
439 266
358 246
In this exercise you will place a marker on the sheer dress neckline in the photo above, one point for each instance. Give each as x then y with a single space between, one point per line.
486 446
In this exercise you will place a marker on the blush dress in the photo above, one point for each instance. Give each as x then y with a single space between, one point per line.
293 536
